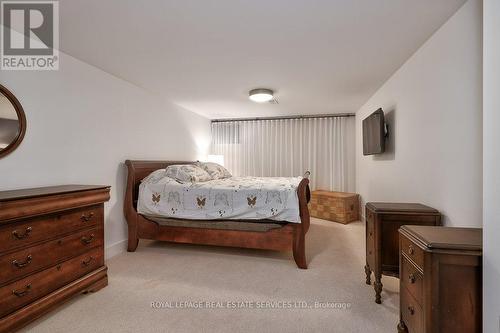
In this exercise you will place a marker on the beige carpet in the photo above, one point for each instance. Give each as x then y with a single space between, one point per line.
161 272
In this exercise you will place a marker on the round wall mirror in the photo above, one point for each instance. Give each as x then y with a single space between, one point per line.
12 122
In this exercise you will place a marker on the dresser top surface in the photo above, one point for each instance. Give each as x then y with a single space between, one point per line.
46 191
435 237
395 207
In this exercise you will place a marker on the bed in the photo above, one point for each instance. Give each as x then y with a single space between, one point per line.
279 218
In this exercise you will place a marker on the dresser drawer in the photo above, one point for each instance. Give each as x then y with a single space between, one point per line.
411 312
412 279
22 262
21 234
412 251
19 293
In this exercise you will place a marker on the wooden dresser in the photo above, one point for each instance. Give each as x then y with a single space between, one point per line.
339 207
382 247
51 248
441 280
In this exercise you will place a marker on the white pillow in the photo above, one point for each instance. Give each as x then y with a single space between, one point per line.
216 171
187 173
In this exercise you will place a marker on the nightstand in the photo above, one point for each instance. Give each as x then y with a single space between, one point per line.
441 280
382 248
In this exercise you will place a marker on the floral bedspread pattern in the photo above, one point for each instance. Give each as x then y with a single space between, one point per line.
252 198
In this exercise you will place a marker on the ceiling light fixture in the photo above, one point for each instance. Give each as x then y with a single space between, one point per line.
261 95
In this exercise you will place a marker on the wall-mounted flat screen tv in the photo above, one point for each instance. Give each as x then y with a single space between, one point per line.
374 133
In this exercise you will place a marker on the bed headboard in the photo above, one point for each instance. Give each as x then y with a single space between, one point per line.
137 171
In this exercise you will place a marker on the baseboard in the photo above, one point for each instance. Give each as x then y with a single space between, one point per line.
115 249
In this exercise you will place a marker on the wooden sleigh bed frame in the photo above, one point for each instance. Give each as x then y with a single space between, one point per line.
291 236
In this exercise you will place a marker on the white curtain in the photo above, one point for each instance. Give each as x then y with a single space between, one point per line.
289 147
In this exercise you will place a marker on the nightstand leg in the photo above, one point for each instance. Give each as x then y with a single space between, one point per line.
368 273
378 288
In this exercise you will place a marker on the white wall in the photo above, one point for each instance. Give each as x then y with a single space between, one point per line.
433 104
82 125
491 180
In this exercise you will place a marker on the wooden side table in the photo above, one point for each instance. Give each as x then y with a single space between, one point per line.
441 280
382 247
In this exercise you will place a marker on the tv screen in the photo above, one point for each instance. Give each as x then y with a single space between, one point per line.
374 133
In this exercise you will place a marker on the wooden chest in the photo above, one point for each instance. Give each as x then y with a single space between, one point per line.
334 206
441 280
51 248
383 220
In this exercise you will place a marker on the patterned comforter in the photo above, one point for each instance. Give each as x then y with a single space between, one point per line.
235 198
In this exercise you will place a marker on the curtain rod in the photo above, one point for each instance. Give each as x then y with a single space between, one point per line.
337 115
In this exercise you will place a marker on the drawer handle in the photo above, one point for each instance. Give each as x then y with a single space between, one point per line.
87 262
87 240
411 278
411 250
26 233
21 293
88 217
371 233
21 264
411 309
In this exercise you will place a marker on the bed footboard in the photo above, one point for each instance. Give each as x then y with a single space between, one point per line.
289 237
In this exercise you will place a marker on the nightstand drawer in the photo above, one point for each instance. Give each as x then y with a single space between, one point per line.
412 279
370 243
411 312
412 251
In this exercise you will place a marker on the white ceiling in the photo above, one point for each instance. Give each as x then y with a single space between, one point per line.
205 55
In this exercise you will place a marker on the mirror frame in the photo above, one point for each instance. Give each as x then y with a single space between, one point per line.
22 122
